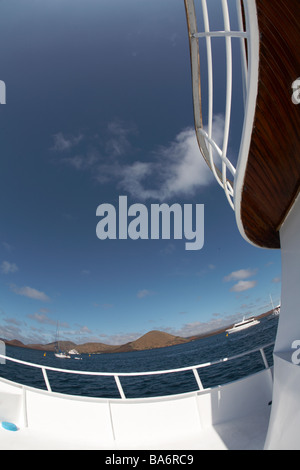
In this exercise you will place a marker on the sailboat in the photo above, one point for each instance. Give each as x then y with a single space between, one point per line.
62 355
58 353
276 310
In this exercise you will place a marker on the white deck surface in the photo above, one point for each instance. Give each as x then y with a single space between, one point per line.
234 416
248 433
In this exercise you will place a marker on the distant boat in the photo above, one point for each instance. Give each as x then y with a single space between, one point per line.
73 351
58 353
276 310
242 325
62 355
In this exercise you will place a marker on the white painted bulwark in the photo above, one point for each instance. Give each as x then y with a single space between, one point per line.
285 418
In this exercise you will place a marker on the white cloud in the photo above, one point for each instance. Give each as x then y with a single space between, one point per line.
62 143
42 317
119 338
30 292
143 293
239 275
176 169
11 331
85 272
243 285
7 246
12 321
82 330
200 328
118 143
7 267
83 162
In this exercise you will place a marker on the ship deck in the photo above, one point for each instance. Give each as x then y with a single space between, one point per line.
233 416
245 433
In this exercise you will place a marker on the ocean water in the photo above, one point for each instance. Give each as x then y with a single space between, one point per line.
196 352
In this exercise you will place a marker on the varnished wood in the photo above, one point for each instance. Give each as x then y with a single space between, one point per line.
272 177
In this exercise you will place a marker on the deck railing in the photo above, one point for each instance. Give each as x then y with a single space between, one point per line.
117 375
207 126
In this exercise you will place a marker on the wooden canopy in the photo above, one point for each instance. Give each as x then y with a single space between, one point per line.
272 177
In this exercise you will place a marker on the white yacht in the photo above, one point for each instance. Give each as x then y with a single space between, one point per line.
243 325
261 411
73 352
62 355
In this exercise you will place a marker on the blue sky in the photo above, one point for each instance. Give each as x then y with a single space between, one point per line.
99 105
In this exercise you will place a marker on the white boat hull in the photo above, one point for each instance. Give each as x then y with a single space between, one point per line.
62 356
236 329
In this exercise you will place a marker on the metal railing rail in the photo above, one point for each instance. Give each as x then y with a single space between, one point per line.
117 375
206 139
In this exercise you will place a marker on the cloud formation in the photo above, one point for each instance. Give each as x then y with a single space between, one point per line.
62 143
176 169
240 276
41 317
243 285
7 267
143 293
30 292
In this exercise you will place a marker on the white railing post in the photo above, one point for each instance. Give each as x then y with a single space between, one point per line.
46 379
243 49
120 388
262 352
198 380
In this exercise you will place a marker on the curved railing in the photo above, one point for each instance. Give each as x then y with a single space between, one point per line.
117 375
207 127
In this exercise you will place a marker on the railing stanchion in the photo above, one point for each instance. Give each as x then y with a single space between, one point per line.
120 388
46 379
262 352
198 380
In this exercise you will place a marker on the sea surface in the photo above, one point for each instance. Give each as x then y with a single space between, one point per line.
194 353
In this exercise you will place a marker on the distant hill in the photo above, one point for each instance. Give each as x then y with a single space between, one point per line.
64 345
94 348
153 339
15 342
